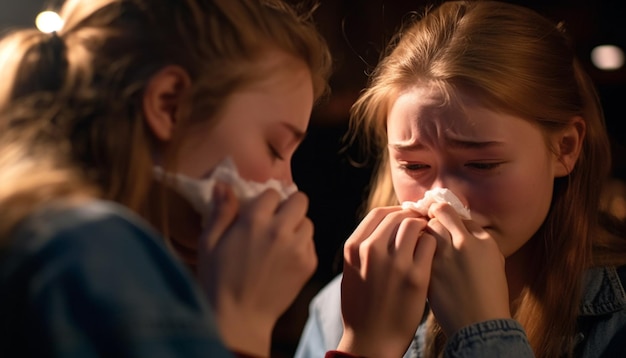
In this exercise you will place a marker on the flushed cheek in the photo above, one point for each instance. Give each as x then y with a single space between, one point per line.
254 170
514 212
406 188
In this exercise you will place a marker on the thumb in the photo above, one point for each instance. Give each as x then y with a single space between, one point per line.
225 208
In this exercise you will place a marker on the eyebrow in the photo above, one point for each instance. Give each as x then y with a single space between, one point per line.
453 143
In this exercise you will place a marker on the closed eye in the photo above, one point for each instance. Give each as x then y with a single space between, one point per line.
413 166
274 153
484 166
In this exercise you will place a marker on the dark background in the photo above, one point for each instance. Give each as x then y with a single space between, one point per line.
357 32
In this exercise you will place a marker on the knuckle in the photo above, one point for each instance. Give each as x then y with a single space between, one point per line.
375 213
413 224
438 208
279 232
366 248
351 245
382 211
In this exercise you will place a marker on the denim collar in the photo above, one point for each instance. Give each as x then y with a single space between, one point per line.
603 291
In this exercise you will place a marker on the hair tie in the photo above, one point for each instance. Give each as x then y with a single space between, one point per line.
56 44
49 72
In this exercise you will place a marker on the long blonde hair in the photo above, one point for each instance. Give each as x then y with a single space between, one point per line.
522 63
93 72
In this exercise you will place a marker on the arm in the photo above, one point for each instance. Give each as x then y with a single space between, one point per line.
493 338
469 264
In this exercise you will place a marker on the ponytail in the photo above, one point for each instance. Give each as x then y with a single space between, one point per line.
33 63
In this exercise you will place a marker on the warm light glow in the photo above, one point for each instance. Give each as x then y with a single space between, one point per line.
607 57
48 21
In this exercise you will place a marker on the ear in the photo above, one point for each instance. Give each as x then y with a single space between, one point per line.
162 99
568 143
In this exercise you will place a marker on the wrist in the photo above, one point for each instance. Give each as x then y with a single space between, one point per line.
363 345
246 334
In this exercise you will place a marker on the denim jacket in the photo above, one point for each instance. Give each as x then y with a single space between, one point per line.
95 281
601 325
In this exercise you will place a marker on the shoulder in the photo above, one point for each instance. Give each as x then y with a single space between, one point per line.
103 279
93 218
603 291
602 320
82 233
98 246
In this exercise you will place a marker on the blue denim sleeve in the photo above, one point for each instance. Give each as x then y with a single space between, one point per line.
494 338
91 282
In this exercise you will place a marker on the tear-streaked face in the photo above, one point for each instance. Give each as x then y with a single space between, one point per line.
499 165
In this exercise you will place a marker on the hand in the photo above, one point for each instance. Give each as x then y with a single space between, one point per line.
468 282
253 262
385 281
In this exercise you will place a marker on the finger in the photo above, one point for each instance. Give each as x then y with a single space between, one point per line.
305 229
306 244
449 218
365 228
423 257
384 235
382 240
425 251
409 231
265 204
226 206
436 229
293 209
372 221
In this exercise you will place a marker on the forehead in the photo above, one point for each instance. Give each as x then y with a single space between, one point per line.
282 92
424 113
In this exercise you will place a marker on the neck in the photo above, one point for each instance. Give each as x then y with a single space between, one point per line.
177 221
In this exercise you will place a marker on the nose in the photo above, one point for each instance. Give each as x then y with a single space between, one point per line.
450 182
284 173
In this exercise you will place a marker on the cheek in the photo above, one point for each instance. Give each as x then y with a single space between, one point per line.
518 194
253 166
405 187
247 149
513 197
515 207
198 154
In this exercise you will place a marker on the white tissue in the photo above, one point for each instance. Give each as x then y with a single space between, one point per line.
438 195
199 192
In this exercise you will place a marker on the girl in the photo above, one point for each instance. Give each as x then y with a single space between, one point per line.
488 100
123 87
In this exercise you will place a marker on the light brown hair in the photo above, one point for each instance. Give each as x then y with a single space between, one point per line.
520 62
